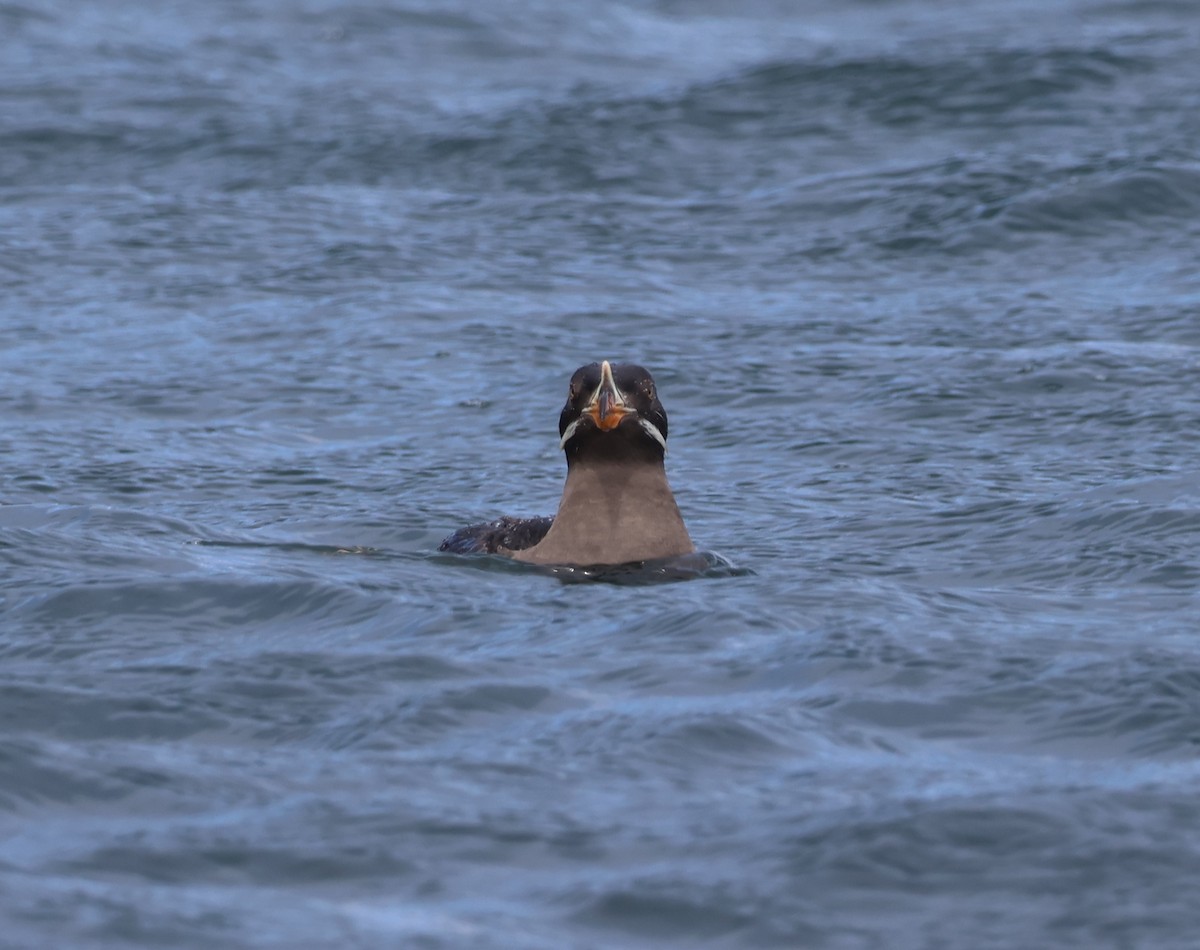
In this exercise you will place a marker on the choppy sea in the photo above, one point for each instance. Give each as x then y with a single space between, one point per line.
291 289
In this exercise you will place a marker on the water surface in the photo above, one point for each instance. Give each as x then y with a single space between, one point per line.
292 291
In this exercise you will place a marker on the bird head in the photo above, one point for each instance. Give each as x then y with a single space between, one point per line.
612 412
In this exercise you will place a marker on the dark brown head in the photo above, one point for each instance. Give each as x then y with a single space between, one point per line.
613 414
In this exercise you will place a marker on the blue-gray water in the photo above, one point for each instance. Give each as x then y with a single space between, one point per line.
291 290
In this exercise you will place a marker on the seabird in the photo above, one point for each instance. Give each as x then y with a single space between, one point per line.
616 504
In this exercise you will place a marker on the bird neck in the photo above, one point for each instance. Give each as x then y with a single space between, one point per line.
612 513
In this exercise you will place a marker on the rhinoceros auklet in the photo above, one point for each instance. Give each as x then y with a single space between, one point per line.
616 505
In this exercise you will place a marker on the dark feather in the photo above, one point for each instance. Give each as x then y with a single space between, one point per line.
490 537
